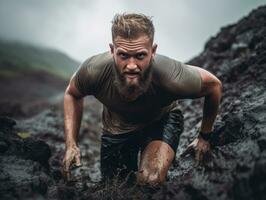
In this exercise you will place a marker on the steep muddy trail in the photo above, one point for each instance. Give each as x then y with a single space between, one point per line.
236 168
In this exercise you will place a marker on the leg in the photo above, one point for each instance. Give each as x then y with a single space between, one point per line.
118 155
155 162
159 147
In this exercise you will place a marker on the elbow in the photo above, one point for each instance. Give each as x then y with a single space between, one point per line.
217 89
213 89
219 85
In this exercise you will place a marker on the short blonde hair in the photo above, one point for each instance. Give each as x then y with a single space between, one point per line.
131 26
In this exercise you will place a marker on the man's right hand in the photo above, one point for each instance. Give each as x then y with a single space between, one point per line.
72 156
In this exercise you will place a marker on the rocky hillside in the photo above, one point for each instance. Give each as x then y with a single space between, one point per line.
30 76
236 168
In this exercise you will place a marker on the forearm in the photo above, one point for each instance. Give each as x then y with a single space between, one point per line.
210 109
73 109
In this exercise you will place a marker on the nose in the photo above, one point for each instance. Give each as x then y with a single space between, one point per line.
131 65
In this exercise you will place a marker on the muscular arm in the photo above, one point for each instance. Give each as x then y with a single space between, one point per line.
211 89
73 109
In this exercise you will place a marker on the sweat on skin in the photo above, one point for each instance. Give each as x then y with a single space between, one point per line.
137 87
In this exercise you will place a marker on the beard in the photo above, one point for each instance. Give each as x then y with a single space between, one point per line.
131 89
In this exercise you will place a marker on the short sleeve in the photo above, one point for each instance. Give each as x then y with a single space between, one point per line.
83 78
186 80
177 78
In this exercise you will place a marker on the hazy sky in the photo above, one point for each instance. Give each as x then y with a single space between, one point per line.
81 28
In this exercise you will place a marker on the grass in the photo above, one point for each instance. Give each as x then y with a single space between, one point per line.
16 56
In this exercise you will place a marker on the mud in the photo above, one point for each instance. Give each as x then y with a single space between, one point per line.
235 168
28 92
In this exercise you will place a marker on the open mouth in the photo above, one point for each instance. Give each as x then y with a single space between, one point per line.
131 75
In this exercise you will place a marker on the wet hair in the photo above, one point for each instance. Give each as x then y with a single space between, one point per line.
131 26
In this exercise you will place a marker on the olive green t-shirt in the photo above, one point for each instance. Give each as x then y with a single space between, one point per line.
171 80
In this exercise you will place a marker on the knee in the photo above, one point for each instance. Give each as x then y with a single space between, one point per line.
147 178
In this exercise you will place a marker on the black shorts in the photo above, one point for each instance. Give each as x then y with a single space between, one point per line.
119 153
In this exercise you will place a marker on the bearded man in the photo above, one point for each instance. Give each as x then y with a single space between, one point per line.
139 90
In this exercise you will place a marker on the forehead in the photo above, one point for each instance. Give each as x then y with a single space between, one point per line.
142 43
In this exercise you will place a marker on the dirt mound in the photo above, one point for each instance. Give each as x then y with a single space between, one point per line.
27 92
24 166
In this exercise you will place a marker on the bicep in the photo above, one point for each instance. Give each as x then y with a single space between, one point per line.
72 88
208 81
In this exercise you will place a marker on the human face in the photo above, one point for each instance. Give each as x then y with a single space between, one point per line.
133 58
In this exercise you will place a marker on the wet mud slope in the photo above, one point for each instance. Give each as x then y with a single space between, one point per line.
31 149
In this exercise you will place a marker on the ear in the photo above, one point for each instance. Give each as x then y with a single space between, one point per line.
154 48
111 48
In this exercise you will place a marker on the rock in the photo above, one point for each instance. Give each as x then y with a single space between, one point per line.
3 146
6 123
36 150
21 179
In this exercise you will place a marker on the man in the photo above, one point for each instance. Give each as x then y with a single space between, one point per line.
138 90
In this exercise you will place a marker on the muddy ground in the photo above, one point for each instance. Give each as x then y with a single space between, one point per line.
32 147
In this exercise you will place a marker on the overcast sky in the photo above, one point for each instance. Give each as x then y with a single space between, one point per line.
81 28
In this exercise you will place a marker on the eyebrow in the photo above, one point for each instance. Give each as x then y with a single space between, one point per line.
123 51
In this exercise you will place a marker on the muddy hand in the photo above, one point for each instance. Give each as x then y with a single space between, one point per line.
191 148
200 147
72 157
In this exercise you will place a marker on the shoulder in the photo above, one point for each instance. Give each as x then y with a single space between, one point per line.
176 77
98 66
163 60
97 62
92 72
164 67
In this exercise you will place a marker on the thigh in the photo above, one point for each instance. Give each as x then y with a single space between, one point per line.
159 147
118 155
167 130
155 161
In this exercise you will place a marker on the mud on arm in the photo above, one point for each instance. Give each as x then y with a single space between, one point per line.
73 110
211 90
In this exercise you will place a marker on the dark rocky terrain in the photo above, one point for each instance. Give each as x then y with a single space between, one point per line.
31 149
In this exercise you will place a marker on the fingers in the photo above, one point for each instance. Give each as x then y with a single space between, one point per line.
189 150
66 167
199 157
66 175
77 160
67 161
66 171
72 157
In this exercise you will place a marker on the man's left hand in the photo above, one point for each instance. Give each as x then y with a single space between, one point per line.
200 147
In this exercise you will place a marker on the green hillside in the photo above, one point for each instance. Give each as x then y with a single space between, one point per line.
16 57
